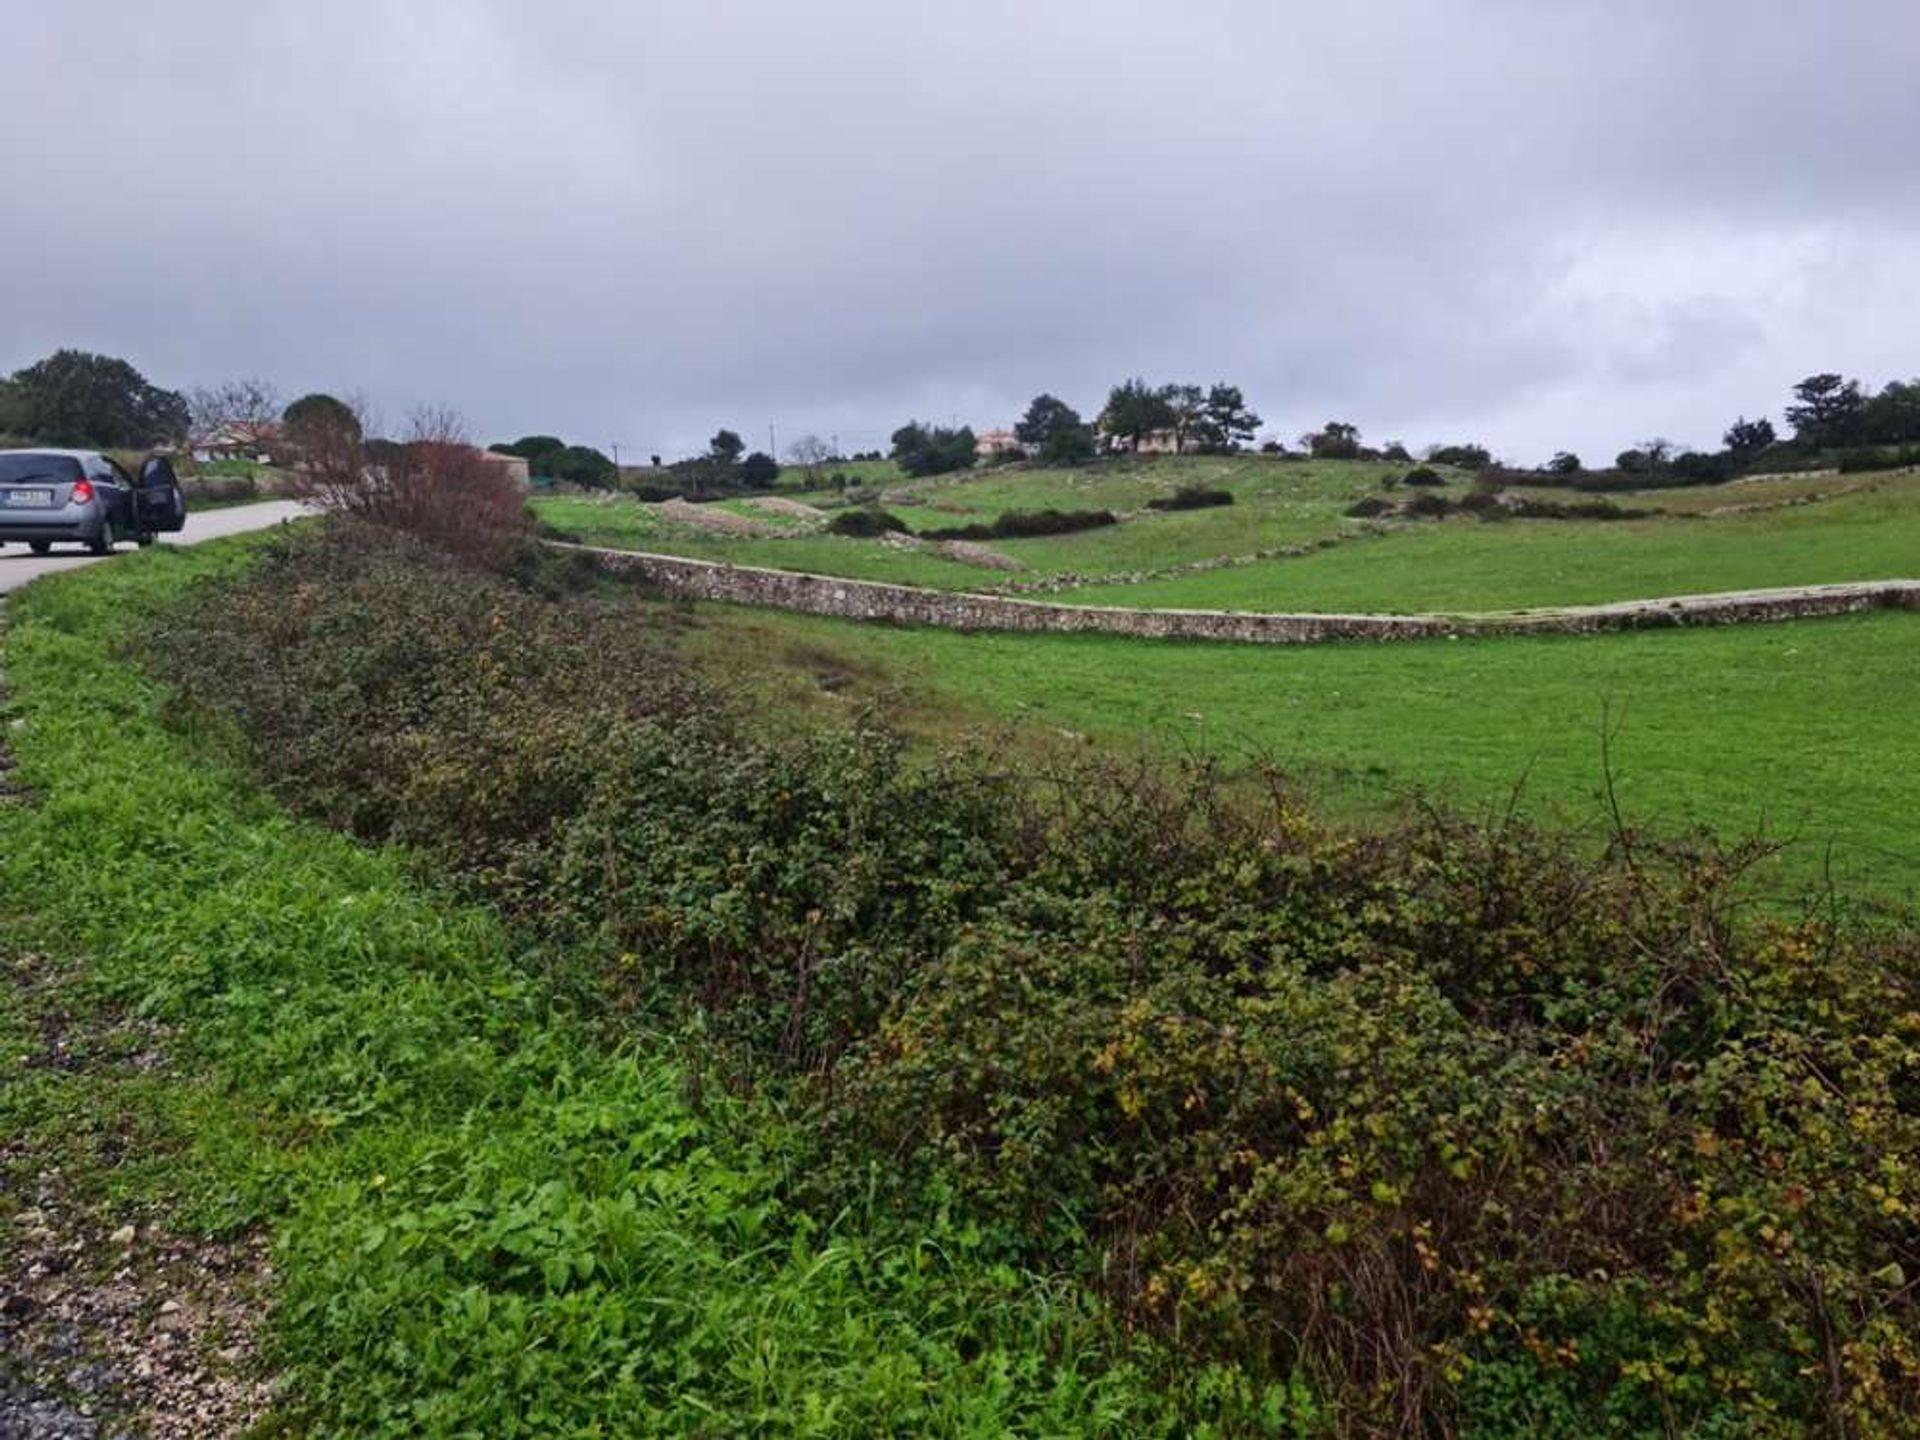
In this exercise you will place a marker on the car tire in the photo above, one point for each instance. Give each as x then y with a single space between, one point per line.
143 539
102 544
40 547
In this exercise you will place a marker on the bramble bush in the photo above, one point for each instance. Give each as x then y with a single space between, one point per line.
1463 1128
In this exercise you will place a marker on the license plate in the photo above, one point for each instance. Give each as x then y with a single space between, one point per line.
27 499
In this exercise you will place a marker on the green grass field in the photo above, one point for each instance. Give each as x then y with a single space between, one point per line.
1801 730
1466 564
1852 530
1798 729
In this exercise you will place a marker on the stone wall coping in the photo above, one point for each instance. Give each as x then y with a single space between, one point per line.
884 600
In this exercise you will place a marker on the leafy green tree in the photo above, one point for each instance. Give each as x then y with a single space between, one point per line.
1829 411
759 470
583 465
1564 462
933 449
1649 457
1336 440
727 446
76 398
1227 423
1466 457
1068 445
1745 439
319 420
1044 416
1893 416
1702 469
551 458
1134 410
1055 432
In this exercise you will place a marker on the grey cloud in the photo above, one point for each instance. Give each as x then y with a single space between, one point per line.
643 221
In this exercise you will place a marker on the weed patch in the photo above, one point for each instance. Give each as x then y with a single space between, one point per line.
1450 1130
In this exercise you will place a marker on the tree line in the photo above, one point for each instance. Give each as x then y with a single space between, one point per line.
75 398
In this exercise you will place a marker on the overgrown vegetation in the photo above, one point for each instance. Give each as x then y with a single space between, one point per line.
495 1213
1448 1131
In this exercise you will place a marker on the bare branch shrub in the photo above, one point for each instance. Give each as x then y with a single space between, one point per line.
435 484
246 401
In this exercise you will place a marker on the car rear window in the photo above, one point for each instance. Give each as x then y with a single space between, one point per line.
19 469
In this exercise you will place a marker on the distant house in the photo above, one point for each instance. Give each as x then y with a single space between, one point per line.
1165 442
990 444
238 440
516 467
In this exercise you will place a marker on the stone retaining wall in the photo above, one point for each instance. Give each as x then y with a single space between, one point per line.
950 610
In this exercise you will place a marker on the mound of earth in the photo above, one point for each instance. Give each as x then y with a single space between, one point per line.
968 553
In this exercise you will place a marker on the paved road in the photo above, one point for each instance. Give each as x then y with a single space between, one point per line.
18 565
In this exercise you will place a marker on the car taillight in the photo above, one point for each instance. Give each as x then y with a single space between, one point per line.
83 492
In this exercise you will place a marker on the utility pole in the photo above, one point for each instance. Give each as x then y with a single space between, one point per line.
773 445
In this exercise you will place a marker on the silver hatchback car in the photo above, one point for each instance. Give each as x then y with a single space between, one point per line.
85 498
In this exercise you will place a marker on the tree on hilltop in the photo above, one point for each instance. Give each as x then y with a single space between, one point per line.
76 398
1134 410
1227 423
759 470
1054 431
319 418
1336 440
921 450
1829 411
1746 438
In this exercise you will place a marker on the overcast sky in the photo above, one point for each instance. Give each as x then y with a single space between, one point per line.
1536 223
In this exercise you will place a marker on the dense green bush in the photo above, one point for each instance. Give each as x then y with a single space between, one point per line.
1025 524
1428 504
1870 458
1470 1131
1423 475
865 522
1192 497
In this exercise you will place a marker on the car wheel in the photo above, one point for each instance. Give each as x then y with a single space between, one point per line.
143 539
103 544
40 547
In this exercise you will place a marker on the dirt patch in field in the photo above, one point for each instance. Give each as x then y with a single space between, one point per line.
792 509
713 519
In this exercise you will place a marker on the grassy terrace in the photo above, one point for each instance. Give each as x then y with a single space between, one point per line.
1464 564
1855 531
1803 729
1276 506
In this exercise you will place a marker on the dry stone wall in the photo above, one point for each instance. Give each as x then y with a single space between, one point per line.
948 610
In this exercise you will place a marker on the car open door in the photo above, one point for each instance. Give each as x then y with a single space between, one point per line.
163 506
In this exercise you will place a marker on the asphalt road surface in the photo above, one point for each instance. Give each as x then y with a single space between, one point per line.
18 565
